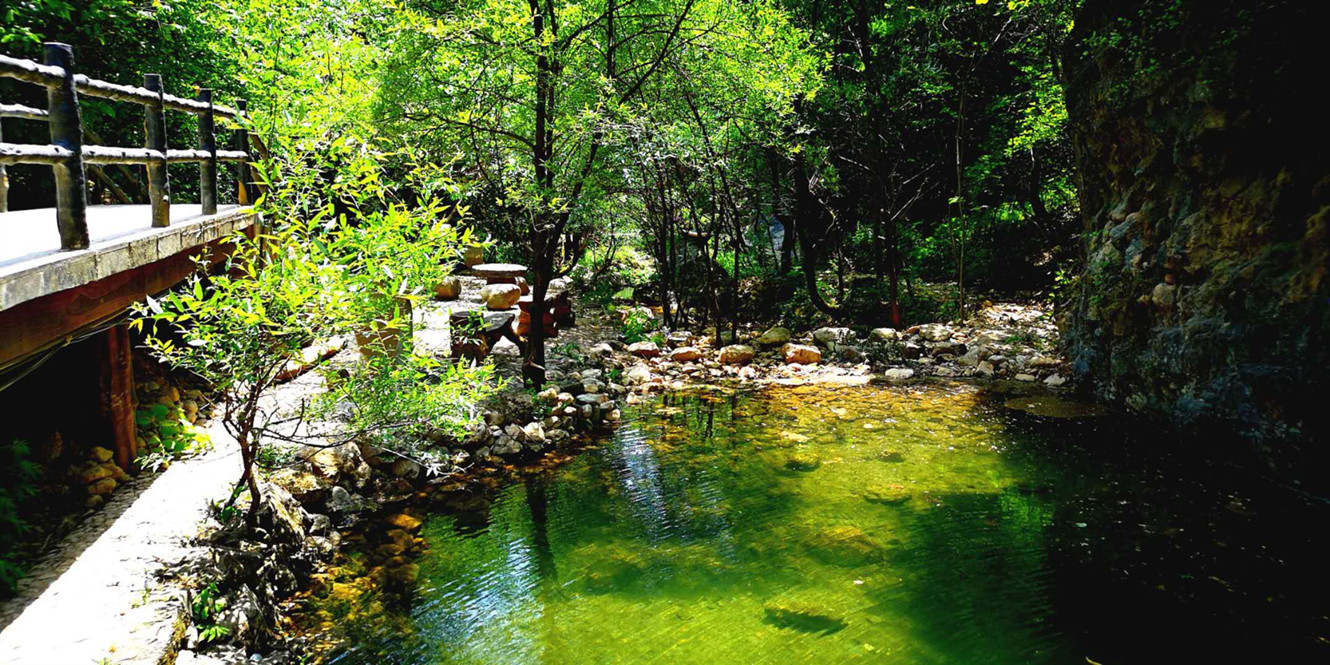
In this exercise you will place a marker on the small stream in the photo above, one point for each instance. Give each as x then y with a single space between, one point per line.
925 524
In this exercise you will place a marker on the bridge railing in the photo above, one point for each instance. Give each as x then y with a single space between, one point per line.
67 155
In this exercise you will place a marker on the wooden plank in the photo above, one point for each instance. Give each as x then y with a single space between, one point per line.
116 378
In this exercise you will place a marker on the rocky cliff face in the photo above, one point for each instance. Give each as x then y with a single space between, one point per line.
1205 191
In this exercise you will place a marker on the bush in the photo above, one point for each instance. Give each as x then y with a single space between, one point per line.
18 483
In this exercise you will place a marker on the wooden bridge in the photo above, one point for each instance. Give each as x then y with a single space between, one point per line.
70 272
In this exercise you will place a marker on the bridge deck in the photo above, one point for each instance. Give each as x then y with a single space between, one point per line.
122 239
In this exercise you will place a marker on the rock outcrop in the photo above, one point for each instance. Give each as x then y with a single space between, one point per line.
1205 195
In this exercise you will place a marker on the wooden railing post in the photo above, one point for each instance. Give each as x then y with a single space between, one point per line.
66 122
245 194
208 167
154 130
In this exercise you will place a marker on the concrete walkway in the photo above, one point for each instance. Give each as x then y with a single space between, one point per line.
98 598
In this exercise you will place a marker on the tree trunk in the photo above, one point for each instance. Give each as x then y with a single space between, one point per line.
894 270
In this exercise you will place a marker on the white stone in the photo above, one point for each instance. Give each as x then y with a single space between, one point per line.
534 432
898 373
637 375
935 332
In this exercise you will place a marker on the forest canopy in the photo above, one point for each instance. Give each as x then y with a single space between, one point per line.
825 159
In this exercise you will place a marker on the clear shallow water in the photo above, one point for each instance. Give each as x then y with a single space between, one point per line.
903 525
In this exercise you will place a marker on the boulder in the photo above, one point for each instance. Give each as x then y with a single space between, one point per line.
679 338
898 373
500 296
448 288
100 487
831 337
306 486
473 255
885 335
645 349
343 463
601 350
281 514
534 432
404 522
506 445
685 354
405 468
774 337
801 354
949 347
636 375
935 332
342 502
736 354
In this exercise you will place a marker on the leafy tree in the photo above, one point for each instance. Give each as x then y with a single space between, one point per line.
312 277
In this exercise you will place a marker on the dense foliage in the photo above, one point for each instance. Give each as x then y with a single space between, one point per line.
895 139
799 158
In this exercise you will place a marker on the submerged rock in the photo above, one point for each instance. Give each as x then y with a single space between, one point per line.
887 494
802 460
1049 406
806 618
844 546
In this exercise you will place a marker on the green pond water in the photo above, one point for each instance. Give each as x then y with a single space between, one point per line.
880 525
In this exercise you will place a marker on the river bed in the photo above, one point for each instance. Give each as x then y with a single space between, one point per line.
922 524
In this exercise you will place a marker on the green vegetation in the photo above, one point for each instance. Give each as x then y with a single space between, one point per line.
708 158
166 438
204 609
18 483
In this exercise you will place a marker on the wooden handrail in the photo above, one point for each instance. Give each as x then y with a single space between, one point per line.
50 77
67 156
